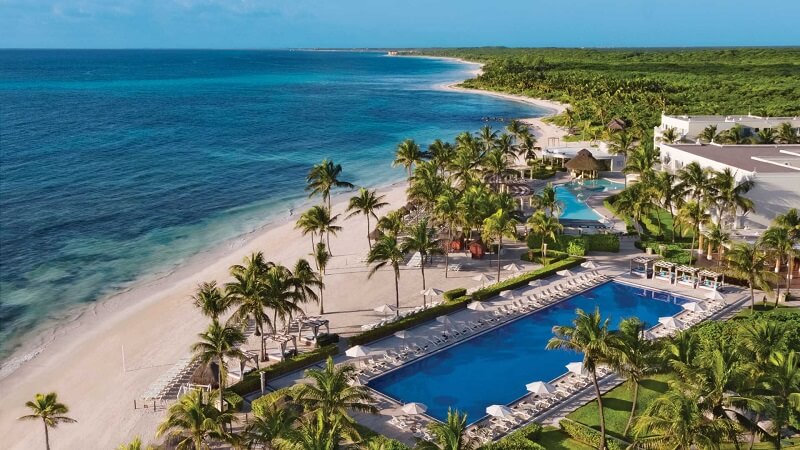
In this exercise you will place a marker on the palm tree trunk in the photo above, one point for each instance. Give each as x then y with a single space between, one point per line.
397 290
778 282
752 298
369 241
422 269
753 434
221 385
633 408
46 435
600 411
691 249
699 241
328 240
321 299
260 328
499 247
447 250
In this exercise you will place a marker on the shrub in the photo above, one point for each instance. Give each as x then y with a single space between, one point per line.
576 247
327 339
589 435
676 253
234 400
522 439
386 443
453 294
535 256
602 242
252 380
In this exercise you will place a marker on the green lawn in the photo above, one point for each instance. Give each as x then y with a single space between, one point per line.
554 439
760 308
617 405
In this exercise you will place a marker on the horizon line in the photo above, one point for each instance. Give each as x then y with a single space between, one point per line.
366 49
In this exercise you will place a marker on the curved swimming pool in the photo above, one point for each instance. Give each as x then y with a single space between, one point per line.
493 368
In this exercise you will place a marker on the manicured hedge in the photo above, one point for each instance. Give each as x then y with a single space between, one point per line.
522 439
677 253
453 294
525 278
252 380
535 256
594 242
327 339
281 397
589 435
234 400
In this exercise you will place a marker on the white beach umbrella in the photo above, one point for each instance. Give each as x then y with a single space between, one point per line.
385 309
715 295
577 368
589 265
414 408
432 292
476 306
693 306
393 412
671 322
540 387
403 334
483 278
535 283
565 273
444 320
509 294
359 351
513 267
501 411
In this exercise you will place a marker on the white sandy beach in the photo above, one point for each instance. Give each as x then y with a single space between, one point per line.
156 323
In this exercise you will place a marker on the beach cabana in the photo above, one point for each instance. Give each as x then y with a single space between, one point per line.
457 243
314 325
686 275
707 279
584 165
477 249
664 270
617 124
283 341
642 266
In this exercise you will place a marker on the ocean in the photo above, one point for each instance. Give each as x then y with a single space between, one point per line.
116 165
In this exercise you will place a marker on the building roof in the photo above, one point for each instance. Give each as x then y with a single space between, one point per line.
729 118
583 161
750 158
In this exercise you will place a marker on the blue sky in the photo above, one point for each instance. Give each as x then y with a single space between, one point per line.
395 23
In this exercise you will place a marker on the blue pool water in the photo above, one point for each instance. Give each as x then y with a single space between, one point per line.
116 165
494 368
572 196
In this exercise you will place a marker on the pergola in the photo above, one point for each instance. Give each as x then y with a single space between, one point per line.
663 270
707 279
282 340
686 275
641 265
314 324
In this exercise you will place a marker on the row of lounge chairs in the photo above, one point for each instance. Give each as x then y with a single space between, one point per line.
417 426
168 385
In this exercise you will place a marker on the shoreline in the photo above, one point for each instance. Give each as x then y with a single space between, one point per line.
112 349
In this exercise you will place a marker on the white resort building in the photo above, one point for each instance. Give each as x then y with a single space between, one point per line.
775 169
688 127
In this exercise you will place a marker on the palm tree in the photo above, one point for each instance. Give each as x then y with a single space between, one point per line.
501 223
717 237
421 238
324 177
247 295
730 194
318 219
734 135
281 294
447 212
321 258
695 181
135 444
782 384
765 136
545 227
709 134
391 223
621 144
761 338
216 344
211 300
496 165
317 432
270 423
693 215
590 335
675 420
332 394
669 193
641 162
635 358
407 155
749 262
440 153
670 135
547 200
791 220
487 138
518 130
779 240
426 185
787 134
366 203
525 146
388 251
449 435
635 201
47 408
195 422
305 281
505 143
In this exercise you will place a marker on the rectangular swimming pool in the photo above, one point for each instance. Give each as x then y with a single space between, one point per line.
493 368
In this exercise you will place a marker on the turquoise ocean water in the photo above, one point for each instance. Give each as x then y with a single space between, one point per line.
119 164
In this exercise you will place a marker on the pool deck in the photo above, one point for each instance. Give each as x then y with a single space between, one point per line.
611 265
